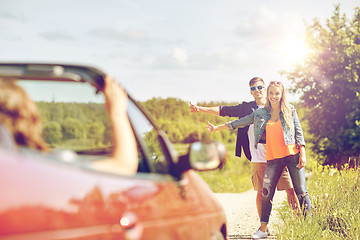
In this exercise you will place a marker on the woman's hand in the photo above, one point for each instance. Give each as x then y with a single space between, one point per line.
116 98
302 158
210 127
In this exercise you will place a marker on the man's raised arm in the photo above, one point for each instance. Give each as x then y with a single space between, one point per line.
209 110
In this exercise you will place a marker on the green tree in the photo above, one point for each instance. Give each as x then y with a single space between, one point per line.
96 132
328 81
173 116
52 132
72 128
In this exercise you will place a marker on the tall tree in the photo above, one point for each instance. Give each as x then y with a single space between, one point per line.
328 81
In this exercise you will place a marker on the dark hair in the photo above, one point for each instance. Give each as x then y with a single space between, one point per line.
255 80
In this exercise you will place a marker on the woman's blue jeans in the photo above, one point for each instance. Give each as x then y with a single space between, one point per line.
273 172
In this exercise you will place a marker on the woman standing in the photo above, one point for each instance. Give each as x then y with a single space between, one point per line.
279 124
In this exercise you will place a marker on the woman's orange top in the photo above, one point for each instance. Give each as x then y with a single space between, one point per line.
275 142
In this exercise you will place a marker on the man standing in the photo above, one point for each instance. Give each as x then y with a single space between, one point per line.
245 141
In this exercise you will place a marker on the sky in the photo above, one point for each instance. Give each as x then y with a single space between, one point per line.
194 50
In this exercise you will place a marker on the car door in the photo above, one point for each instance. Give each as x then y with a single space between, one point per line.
178 208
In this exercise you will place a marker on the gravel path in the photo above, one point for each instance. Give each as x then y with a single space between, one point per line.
241 214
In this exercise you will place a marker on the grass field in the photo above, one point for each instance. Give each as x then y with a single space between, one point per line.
234 177
335 207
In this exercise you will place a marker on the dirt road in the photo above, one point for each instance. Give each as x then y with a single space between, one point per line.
241 214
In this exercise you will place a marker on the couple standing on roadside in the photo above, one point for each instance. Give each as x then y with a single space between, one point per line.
270 135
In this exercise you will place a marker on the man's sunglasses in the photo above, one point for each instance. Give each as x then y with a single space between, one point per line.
256 87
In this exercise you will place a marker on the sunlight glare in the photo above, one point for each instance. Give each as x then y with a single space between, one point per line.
294 51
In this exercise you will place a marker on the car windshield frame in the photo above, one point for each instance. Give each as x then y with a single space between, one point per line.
94 77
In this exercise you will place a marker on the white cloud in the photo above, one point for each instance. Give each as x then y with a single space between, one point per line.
56 36
265 23
257 23
129 35
11 16
136 35
230 58
265 33
180 55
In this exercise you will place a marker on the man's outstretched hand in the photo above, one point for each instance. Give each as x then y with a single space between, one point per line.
193 108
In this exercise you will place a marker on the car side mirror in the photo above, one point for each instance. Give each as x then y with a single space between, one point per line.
207 156
200 157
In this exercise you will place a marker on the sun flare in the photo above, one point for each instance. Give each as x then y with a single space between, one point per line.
294 51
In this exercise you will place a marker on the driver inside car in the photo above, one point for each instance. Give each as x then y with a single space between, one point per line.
20 117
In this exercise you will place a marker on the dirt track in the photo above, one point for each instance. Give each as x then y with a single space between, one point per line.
241 214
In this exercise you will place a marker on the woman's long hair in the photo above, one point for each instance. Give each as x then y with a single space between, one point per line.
284 106
19 114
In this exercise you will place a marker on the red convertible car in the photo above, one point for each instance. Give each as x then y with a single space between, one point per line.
58 195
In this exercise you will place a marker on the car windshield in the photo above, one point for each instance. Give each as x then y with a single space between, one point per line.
74 118
73 115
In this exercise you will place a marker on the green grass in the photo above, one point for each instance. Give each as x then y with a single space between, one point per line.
335 207
234 177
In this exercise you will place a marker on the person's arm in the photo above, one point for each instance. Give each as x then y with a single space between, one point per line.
124 159
212 128
299 139
242 122
209 110
299 135
302 158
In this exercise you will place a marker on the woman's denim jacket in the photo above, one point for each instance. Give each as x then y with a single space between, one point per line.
260 118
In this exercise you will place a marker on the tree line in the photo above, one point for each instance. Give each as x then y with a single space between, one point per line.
75 124
87 124
173 116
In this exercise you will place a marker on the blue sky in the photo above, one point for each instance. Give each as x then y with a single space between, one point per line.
195 50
